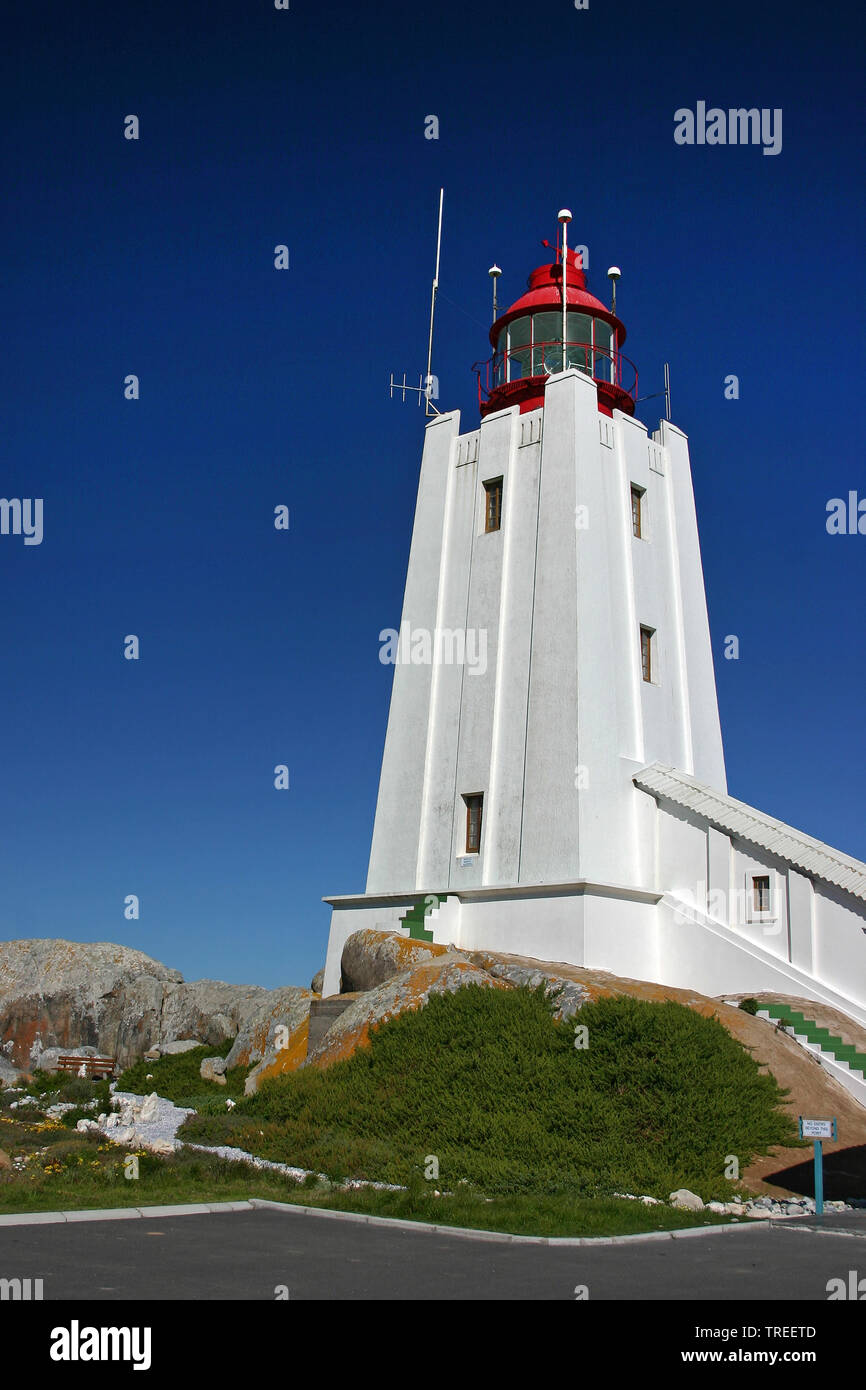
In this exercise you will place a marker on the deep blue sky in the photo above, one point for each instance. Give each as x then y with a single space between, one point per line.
306 127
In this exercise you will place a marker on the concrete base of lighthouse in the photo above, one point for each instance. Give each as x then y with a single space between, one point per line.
601 926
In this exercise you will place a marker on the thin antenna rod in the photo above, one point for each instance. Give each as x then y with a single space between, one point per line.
564 219
494 272
668 389
429 380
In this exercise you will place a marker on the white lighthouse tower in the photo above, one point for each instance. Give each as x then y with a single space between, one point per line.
553 779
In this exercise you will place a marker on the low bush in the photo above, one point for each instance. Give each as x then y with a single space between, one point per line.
489 1084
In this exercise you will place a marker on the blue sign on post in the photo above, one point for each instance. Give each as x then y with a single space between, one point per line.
818 1130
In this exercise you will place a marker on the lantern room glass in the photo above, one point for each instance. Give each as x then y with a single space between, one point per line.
532 346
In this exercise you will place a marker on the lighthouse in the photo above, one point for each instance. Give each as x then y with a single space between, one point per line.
564 798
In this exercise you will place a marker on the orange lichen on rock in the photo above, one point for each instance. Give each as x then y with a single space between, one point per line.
287 1059
371 957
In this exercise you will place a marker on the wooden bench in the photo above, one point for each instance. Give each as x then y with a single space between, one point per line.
95 1068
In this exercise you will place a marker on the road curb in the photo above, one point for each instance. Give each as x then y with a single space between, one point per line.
62 1218
471 1233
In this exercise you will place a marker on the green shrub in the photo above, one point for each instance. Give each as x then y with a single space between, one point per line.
178 1078
749 1006
489 1083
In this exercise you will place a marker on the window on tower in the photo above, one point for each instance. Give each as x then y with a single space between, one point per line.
761 893
646 653
474 805
493 504
637 494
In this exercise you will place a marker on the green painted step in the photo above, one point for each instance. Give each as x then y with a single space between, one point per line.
414 916
819 1037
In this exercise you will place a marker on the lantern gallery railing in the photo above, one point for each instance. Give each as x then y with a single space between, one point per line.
543 359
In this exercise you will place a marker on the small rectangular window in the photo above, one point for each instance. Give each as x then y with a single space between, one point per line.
493 504
761 893
646 653
474 804
637 511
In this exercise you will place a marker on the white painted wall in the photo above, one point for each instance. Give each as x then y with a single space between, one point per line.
554 729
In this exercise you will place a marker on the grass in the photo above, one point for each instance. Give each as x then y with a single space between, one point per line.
87 1173
176 1078
489 1084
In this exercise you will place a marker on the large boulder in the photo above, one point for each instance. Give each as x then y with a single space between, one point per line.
65 994
209 1010
444 974
281 1060
266 1028
371 957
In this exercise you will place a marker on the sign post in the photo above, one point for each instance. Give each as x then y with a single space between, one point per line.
818 1130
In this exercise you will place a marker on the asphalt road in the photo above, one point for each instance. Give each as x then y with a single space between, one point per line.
247 1255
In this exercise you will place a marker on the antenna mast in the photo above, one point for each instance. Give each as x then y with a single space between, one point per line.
564 219
428 383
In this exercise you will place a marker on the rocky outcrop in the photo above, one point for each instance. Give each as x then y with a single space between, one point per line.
286 1059
66 994
266 1030
61 996
209 1010
371 957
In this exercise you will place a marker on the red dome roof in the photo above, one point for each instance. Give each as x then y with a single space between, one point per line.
544 291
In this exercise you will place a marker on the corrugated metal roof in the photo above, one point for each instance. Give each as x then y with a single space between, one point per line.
736 818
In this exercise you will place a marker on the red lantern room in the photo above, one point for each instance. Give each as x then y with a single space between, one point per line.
527 342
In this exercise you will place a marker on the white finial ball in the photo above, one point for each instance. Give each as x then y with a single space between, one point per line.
564 215
614 272
494 271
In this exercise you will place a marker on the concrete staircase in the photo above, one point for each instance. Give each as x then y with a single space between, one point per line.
842 1060
322 1015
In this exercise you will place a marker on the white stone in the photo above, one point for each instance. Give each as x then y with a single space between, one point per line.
687 1201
